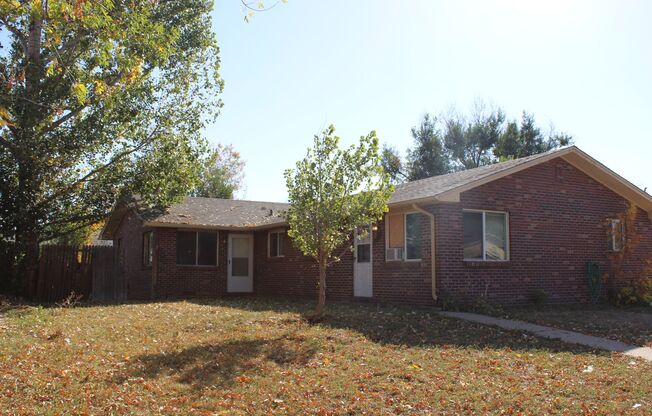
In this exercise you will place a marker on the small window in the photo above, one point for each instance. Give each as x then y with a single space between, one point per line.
276 243
485 235
363 253
197 248
616 235
148 248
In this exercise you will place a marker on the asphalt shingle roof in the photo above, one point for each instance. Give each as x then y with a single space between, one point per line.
213 212
229 213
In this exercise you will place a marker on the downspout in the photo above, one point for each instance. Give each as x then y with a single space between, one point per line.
432 248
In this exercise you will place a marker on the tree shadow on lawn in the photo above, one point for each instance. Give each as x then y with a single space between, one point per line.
223 364
220 365
412 327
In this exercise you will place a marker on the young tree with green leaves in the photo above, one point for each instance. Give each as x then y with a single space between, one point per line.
332 192
98 100
222 174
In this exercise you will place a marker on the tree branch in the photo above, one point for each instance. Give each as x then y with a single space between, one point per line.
92 173
13 149
17 33
258 9
80 108
89 220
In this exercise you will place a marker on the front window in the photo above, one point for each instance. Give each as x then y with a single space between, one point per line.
148 248
276 243
485 235
403 237
197 248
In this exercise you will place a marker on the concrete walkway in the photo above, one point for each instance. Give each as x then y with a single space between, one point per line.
549 332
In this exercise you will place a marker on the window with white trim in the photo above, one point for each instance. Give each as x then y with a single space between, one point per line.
197 248
486 235
403 237
148 248
616 235
275 244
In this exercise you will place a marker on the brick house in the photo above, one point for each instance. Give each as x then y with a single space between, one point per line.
500 231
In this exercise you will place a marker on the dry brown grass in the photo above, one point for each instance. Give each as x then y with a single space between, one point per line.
261 357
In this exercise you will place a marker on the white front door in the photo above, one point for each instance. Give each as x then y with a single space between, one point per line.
362 264
240 276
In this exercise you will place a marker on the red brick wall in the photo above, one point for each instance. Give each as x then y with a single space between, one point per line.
557 224
557 218
174 281
297 275
407 282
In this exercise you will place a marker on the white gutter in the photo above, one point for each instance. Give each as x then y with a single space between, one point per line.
432 248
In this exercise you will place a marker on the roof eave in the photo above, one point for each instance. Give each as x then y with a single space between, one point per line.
245 228
453 195
610 179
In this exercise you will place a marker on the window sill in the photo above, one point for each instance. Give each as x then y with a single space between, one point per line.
196 266
403 264
487 263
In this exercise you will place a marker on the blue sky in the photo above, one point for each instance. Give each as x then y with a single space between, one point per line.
363 65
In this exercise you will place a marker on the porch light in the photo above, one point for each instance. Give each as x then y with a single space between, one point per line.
374 227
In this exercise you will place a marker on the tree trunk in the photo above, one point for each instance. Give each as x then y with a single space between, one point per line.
28 247
321 297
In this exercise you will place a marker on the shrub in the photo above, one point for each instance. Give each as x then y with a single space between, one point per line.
483 306
638 293
448 304
539 297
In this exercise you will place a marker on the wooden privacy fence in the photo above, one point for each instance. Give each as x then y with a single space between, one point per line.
88 271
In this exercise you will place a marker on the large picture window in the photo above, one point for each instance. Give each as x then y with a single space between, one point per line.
485 235
197 248
276 243
403 237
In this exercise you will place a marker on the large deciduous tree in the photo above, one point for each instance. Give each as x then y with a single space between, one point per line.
527 139
222 174
427 158
332 192
454 142
469 142
391 161
98 99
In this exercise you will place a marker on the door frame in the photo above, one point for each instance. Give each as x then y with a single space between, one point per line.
371 261
229 275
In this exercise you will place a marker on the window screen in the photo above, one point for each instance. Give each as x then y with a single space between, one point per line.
412 236
495 236
186 247
148 248
485 235
276 244
207 245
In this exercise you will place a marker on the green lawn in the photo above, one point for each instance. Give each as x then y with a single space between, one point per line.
259 356
633 326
